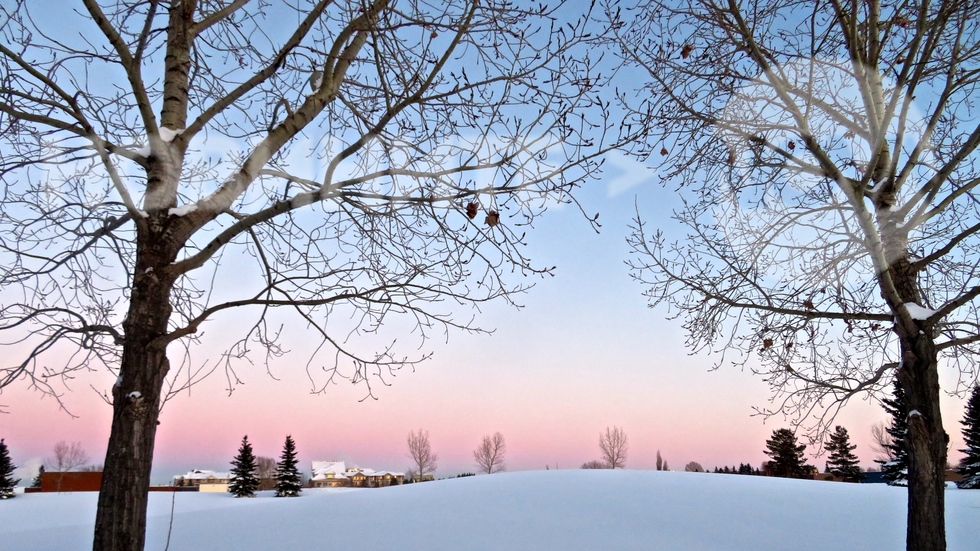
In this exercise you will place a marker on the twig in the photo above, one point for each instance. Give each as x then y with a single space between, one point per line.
170 529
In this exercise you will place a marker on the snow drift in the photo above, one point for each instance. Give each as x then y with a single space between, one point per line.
542 510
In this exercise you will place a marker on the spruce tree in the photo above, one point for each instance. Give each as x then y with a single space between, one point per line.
786 454
970 466
36 483
842 461
288 480
895 469
7 481
244 481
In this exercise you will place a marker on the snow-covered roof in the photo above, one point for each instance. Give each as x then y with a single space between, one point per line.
337 469
323 468
385 473
203 474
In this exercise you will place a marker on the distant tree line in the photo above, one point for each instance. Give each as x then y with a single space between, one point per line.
743 468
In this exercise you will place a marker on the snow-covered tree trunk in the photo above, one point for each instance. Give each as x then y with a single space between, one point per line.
121 515
918 374
927 453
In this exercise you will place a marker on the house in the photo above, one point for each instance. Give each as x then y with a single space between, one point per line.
329 474
335 474
368 478
428 477
203 480
199 477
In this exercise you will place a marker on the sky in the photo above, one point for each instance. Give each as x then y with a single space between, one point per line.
584 352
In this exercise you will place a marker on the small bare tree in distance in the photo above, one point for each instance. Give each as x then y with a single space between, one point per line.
881 440
265 467
68 457
490 454
614 445
423 460
693 467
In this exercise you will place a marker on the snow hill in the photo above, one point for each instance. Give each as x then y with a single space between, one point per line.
521 511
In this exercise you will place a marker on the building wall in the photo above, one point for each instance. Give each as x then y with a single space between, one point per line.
71 482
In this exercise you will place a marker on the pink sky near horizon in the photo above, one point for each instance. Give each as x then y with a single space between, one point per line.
584 353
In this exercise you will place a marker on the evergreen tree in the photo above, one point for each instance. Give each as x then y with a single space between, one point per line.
7 481
786 454
895 469
244 480
842 461
288 480
36 483
970 466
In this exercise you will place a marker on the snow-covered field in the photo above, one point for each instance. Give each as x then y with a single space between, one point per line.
522 511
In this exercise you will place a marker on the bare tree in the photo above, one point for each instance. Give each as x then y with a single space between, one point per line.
594 464
265 467
67 457
424 462
333 164
490 453
693 467
832 232
880 441
614 445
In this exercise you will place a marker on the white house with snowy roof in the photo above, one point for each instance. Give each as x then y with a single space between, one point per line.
336 474
197 477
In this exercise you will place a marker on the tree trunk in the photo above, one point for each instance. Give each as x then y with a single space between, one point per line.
120 523
927 447
919 376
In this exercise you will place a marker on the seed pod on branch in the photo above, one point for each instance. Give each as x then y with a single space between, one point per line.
492 219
